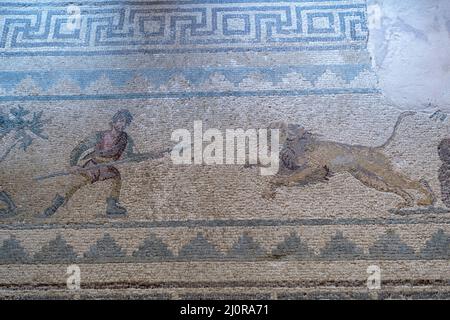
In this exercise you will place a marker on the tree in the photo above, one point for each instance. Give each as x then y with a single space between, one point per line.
22 126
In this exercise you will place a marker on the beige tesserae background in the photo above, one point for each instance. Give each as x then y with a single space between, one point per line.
91 95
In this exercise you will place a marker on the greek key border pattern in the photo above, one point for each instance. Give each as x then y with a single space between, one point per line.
117 28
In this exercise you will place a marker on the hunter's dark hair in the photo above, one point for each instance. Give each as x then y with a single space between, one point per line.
123 114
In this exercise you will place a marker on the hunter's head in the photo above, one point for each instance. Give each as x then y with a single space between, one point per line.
121 120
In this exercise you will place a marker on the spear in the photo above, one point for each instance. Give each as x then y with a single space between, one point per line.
135 158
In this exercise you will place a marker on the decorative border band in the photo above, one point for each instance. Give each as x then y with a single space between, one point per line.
119 28
388 246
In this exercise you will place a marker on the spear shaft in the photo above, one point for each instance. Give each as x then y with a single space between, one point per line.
137 158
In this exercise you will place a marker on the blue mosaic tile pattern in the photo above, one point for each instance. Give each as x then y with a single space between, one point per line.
117 27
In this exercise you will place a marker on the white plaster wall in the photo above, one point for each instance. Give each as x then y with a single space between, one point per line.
409 44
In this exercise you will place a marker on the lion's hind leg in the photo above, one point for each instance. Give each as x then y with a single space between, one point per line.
420 186
429 198
403 182
374 181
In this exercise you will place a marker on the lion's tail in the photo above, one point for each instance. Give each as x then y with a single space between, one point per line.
402 116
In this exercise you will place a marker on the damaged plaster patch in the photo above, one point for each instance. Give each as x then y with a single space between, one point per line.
409 42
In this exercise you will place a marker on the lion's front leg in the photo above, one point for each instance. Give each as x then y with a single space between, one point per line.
306 176
303 176
271 190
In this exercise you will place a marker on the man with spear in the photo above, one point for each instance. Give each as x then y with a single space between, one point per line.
99 164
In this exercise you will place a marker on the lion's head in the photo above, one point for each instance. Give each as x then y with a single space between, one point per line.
289 132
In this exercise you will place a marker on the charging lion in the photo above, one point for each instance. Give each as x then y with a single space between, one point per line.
304 159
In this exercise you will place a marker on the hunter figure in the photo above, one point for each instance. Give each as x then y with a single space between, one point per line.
106 146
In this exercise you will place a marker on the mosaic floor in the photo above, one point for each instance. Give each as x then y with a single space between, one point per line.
93 205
